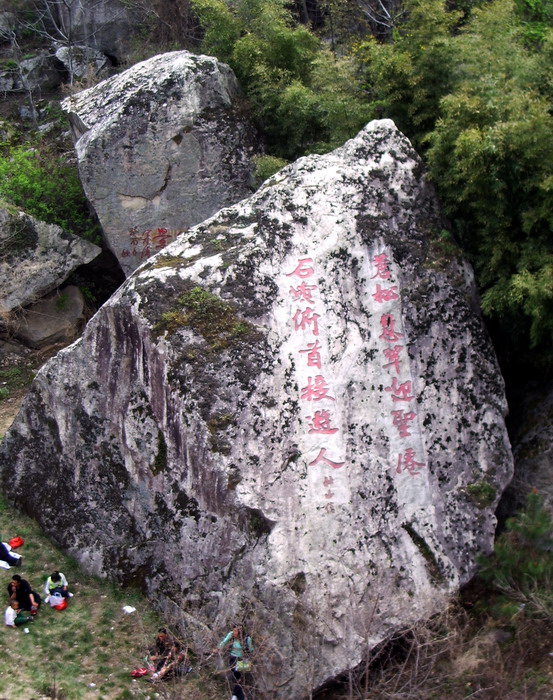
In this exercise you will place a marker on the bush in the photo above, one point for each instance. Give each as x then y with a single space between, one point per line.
304 99
521 567
266 167
490 156
41 182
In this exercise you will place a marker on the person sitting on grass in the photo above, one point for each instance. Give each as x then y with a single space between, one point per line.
56 584
14 616
161 650
176 664
19 589
8 557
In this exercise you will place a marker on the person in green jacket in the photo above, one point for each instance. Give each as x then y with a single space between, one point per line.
241 644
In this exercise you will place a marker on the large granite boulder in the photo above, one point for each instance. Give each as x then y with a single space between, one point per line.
294 410
161 147
36 257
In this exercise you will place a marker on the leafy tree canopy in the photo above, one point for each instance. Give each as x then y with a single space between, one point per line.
474 94
304 98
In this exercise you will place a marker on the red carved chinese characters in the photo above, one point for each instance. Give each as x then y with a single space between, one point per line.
388 325
392 354
382 295
303 269
321 423
399 391
313 354
321 458
382 263
145 243
408 463
304 292
402 420
305 318
316 389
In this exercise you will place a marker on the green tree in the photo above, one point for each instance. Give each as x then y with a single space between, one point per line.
491 156
303 98
521 567
40 181
405 79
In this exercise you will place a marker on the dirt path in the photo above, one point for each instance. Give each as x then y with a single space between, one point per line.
9 408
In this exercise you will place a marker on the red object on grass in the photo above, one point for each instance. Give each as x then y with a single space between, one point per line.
62 605
139 672
16 542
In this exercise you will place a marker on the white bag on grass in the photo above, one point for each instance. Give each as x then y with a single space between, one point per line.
55 600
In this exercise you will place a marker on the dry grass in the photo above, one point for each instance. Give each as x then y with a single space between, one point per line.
456 656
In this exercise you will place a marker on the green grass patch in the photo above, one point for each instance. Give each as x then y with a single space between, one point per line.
13 379
91 642
216 320
89 649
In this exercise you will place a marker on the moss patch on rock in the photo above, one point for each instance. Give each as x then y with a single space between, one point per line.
216 320
481 493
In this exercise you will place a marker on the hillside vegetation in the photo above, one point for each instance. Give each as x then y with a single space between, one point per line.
89 649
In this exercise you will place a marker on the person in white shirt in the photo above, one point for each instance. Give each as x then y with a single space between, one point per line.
56 584
14 616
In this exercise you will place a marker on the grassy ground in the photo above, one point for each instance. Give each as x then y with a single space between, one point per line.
91 642
85 651
14 384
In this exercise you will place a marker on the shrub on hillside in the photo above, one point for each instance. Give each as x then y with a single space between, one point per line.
40 181
521 567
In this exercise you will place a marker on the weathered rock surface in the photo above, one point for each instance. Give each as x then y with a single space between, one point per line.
103 24
81 61
36 257
39 72
58 317
293 408
161 147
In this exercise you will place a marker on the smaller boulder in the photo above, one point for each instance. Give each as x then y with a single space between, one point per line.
39 72
82 61
57 318
36 257
161 147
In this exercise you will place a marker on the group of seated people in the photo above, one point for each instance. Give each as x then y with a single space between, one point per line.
25 602
167 657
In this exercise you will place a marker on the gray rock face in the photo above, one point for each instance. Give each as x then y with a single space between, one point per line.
161 147
80 61
36 257
294 409
103 24
38 72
